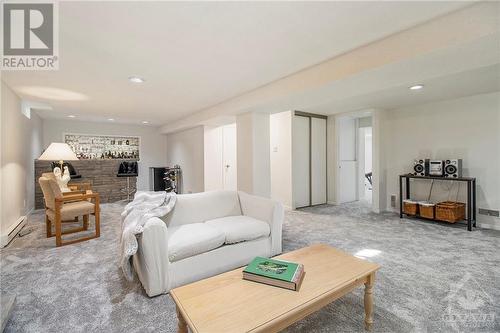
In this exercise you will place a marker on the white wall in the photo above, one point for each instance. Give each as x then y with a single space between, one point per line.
281 157
186 148
21 143
153 144
467 128
254 171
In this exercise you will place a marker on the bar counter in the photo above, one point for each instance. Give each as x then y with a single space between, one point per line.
101 174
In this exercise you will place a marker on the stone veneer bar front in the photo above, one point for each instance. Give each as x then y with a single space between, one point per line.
101 174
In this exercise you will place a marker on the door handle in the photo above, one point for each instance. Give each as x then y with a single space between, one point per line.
227 166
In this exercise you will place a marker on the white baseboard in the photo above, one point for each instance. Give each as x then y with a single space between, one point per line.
7 237
493 226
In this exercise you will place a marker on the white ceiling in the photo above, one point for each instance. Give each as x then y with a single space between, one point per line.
194 55
467 83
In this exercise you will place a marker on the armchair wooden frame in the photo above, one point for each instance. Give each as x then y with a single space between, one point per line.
80 186
71 197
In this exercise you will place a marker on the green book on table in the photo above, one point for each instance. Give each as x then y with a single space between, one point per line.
274 272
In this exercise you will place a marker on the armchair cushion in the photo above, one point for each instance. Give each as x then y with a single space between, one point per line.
71 210
240 228
50 190
188 240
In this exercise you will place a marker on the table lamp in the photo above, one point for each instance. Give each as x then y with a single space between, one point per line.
58 151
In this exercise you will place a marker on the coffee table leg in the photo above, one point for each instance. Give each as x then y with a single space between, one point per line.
181 324
369 302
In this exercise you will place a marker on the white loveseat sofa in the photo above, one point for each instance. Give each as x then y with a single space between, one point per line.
206 234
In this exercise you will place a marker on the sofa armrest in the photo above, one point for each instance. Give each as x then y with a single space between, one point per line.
266 210
151 260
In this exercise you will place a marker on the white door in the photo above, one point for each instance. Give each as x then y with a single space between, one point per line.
347 175
318 161
229 157
300 160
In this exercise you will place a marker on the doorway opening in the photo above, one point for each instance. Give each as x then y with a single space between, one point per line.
355 159
365 173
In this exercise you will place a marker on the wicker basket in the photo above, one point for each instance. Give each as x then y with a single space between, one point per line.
410 207
426 209
450 211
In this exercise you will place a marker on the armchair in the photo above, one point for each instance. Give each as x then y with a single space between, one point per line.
67 207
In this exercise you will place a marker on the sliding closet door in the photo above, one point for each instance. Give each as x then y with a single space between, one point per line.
300 160
318 161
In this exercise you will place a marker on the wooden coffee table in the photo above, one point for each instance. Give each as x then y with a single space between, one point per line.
227 303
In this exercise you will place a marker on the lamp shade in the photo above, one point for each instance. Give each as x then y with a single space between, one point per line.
58 151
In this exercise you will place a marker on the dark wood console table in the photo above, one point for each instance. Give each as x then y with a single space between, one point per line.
471 195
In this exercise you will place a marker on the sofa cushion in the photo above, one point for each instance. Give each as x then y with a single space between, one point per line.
240 228
204 206
191 239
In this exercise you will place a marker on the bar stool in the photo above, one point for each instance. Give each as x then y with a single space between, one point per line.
128 169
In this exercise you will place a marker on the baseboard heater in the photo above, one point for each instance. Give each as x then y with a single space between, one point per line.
13 230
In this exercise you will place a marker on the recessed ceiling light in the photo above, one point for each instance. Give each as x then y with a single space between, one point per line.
136 79
71 116
416 87
145 122
111 119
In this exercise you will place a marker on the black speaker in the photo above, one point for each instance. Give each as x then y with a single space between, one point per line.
453 168
421 167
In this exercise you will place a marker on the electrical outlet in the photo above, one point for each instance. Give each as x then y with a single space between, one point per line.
393 200
489 212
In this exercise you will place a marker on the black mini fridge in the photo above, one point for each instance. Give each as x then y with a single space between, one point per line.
157 179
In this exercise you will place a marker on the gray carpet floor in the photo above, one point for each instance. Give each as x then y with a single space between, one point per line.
434 277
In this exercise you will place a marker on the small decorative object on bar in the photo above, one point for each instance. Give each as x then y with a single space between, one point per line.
103 146
72 172
62 179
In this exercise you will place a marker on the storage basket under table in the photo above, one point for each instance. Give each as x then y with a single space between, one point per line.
410 207
427 209
450 211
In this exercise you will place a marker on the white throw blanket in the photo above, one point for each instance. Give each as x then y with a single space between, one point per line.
145 205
